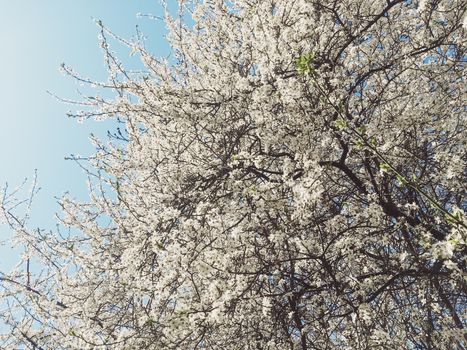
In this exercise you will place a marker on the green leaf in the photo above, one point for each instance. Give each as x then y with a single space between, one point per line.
453 218
361 130
449 219
341 124
304 63
401 179
384 167
360 144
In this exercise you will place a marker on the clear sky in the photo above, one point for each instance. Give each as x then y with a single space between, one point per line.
35 38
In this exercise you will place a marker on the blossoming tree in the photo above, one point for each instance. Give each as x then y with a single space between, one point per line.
293 179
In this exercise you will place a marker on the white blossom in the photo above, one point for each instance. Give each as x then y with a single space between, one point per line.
293 178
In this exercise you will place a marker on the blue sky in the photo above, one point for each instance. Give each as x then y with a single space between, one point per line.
35 38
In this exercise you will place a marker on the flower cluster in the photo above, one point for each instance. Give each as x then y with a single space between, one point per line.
295 179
